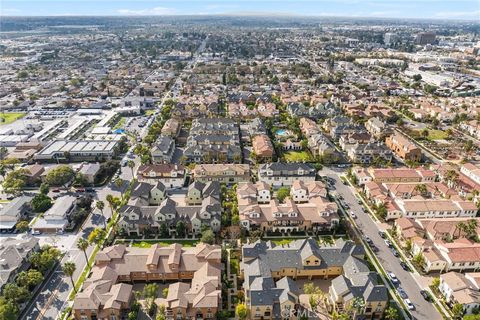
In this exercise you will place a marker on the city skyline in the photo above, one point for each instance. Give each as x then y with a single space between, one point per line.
425 9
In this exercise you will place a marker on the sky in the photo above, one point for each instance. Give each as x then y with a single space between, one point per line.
426 9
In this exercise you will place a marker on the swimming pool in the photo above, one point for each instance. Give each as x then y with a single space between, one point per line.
281 132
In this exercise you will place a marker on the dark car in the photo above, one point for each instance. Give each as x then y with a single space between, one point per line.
395 252
404 266
425 295
89 190
382 234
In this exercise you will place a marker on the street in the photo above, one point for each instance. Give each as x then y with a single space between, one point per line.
368 227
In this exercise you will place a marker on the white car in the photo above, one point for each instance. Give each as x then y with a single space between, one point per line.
353 215
393 277
409 304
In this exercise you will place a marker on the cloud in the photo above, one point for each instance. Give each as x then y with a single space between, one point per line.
157 11
9 11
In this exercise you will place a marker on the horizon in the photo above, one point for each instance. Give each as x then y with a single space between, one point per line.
463 10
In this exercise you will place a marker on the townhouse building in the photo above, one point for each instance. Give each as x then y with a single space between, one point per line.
280 174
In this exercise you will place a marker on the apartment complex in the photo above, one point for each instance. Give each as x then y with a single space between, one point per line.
223 173
270 272
306 209
403 147
193 274
280 174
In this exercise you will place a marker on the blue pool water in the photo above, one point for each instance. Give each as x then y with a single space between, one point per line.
281 132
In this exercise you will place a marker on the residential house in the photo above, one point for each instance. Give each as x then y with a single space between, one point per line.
172 176
171 128
306 209
145 194
163 150
280 174
12 212
222 173
461 288
14 256
193 274
377 128
57 217
403 147
270 272
197 191
263 148
89 171
213 140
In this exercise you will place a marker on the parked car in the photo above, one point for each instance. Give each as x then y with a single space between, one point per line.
409 304
80 189
353 215
388 243
405 266
425 295
382 234
402 293
392 277
36 232
395 253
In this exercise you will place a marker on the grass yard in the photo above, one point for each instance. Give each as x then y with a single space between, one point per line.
6 118
282 241
150 112
297 156
120 124
433 134
164 243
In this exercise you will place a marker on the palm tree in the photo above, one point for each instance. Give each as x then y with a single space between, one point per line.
82 244
462 227
110 201
100 205
69 268
422 189
131 165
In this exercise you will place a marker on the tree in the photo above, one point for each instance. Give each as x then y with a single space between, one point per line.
15 181
83 244
112 202
163 230
60 176
417 77
69 268
457 311
8 309
100 205
425 133
435 283
45 258
422 189
29 278
22 226
161 313
12 292
391 313
208 236
119 183
150 293
180 228
131 165
282 193
96 236
41 203
165 292
241 311
44 188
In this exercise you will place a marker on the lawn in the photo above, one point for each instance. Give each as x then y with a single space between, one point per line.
282 242
433 134
234 265
150 112
120 124
164 243
297 156
6 118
